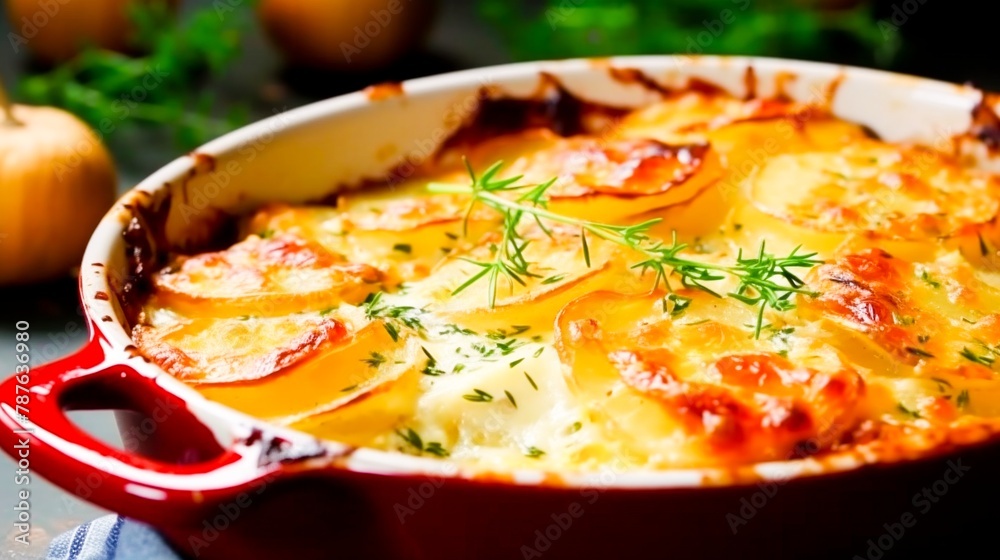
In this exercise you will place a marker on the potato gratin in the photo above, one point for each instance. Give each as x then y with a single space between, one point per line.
704 282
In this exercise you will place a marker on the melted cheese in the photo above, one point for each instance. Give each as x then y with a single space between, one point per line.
580 365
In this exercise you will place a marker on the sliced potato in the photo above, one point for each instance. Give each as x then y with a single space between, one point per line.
212 350
365 416
611 179
905 319
409 206
264 277
689 384
279 368
402 231
691 116
873 189
562 276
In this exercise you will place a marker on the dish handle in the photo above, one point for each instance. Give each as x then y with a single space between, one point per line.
193 473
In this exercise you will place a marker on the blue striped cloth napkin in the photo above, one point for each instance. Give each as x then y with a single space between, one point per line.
111 538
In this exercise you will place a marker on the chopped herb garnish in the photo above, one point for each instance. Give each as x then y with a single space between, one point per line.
483 350
413 438
553 279
431 367
403 248
501 334
451 235
536 338
982 359
678 304
963 399
737 227
510 398
434 448
902 320
538 352
498 334
509 346
374 360
912 413
780 335
929 280
942 383
765 280
532 381
458 368
575 427
453 328
534 452
392 330
392 316
479 396
922 338
919 352
266 233
515 362
983 249
349 388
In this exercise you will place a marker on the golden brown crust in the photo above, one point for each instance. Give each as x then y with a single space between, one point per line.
236 350
889 350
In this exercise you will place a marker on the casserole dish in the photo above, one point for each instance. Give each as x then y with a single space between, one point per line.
222 484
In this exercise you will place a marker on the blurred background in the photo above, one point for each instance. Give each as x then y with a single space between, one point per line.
153 79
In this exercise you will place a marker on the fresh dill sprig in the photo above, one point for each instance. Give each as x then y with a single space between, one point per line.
765 281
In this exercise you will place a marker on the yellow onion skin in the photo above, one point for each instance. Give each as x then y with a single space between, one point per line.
56 182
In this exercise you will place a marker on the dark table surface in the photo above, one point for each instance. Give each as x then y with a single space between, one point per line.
458 40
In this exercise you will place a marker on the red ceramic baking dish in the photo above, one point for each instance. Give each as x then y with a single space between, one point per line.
221 485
